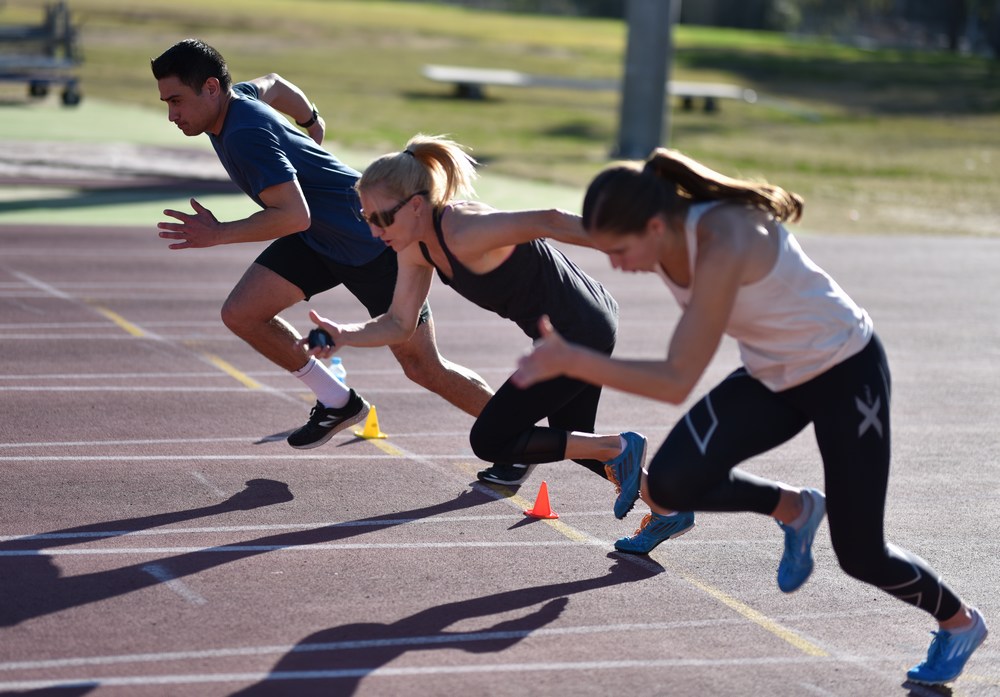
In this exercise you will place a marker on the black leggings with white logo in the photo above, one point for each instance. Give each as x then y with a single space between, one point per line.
848 406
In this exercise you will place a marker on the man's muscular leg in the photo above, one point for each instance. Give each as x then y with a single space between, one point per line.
251 313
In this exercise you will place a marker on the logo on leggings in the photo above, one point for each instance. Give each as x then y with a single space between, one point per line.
702 431
869 410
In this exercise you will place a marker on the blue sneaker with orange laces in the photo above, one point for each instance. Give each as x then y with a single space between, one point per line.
654 529
625 472
797 561
949 652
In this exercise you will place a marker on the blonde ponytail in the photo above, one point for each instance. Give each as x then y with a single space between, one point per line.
428 163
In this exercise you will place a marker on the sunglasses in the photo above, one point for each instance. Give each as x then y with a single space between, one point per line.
383 219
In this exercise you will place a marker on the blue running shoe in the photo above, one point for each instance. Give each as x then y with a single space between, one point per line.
654 529
797 561
949 652
625 472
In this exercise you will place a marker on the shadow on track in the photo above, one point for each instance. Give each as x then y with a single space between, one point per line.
31 585
336 660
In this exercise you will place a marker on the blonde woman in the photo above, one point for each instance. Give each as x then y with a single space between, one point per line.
810 356
416 202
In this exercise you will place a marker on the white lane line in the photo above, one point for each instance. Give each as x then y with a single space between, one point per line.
52 325
410 641
816 690
44 287
161 574
417 641
126 285
123 457
370 673
134 331
290 395
96 325
395 372
322 525
61 336
208 485
196 441
128 388
325 547
115 376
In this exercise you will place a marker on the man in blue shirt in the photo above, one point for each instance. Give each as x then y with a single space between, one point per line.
311 212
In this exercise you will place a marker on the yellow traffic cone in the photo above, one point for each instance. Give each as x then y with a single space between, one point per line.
371 429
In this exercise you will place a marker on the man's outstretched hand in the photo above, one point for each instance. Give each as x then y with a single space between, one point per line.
200 229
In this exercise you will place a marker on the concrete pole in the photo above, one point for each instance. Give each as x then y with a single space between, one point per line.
644 109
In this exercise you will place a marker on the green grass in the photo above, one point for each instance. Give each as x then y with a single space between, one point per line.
877 141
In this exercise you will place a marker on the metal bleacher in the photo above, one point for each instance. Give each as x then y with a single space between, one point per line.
42 55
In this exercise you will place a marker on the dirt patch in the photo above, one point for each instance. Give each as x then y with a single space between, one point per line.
104 165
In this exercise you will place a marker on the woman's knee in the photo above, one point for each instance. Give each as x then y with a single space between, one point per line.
486 445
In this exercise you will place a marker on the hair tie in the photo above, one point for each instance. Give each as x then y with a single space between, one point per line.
410 153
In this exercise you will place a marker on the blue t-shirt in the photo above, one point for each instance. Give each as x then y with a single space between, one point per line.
259 149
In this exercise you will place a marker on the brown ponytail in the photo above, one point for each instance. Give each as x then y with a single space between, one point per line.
624 197
700 183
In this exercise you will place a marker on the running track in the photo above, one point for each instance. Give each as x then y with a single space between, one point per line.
158 537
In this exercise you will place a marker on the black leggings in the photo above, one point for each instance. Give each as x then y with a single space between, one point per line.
848 405
505 431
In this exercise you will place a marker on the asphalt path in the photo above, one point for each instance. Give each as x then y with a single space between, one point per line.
159 537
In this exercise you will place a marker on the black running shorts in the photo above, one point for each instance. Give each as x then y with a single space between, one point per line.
372 283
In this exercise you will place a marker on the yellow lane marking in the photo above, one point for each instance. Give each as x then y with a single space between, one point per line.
232 372
385 447
757 618
121 322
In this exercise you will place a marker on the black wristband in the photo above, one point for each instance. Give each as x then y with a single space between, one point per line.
312 120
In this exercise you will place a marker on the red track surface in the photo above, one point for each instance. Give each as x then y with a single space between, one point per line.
158 537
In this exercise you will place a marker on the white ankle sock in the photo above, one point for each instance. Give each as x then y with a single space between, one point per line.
318 378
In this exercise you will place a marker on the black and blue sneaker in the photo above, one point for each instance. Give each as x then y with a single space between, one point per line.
654 529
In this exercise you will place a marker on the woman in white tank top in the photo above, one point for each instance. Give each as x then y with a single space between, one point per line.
810 356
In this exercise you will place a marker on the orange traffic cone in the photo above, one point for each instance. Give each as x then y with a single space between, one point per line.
541 508
371 429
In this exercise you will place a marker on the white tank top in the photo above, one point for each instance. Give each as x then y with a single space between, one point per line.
791 325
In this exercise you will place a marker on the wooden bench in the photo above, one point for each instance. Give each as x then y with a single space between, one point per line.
42 55
470 83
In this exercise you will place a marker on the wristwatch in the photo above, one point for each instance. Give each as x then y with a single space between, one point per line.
312 119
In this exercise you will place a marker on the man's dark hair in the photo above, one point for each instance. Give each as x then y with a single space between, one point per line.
192 61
